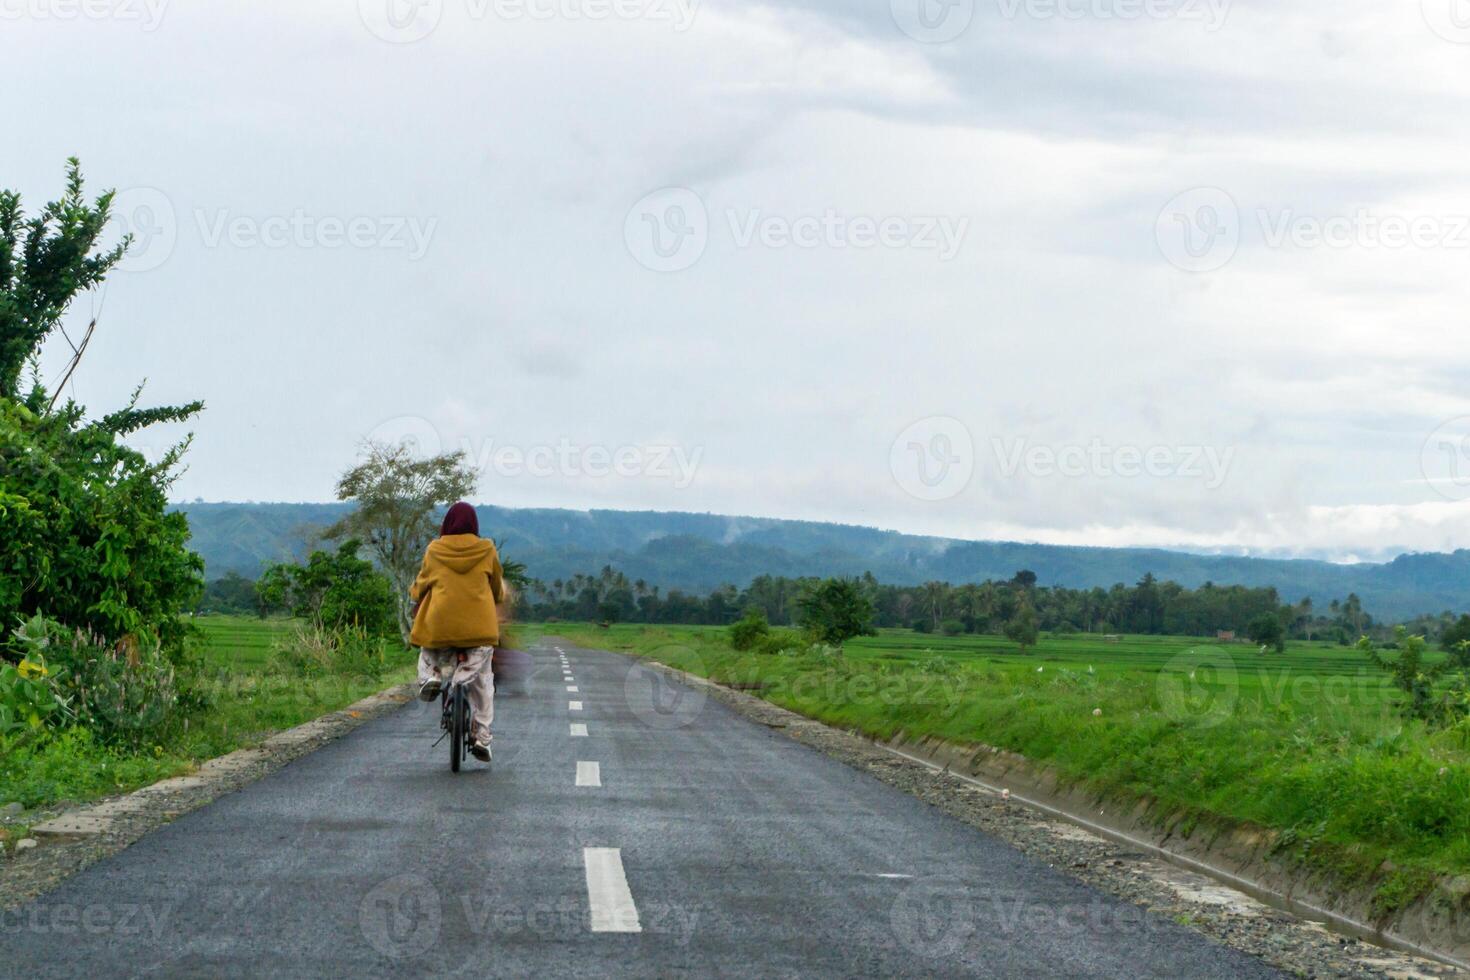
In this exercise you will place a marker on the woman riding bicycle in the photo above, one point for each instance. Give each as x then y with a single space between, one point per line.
455 625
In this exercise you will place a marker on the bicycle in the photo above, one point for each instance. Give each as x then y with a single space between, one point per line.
454 720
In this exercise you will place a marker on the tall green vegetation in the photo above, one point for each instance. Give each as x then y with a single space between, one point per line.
86 538
1022 629
1266 630
399 498
332 591
836 610
1426 697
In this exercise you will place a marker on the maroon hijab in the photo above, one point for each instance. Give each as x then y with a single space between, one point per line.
461 519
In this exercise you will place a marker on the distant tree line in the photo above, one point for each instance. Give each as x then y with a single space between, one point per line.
1011 607
1147 607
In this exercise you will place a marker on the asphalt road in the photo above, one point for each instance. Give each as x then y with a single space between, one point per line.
700 843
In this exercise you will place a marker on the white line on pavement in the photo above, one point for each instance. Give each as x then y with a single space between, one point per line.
607 891
579 731
571 689
589 774
574 705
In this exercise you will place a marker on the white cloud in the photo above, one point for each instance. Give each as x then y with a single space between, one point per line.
1323 370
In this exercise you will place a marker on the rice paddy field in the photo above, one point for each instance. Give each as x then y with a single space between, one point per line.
1309 743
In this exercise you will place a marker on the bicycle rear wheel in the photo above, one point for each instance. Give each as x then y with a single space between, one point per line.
459 726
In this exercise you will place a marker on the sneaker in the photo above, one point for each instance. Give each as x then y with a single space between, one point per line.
481 751
430 689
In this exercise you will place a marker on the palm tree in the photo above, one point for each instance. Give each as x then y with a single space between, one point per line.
935 594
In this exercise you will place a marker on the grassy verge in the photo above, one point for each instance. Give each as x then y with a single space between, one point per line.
1308 743
250 697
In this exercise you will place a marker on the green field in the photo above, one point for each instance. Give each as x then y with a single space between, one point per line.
1308 743
250 698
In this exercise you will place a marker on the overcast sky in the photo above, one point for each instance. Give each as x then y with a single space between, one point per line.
1168 272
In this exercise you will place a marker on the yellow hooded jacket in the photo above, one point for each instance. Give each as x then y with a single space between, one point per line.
457 589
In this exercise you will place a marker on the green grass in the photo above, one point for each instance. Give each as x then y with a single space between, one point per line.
1308 743
250 701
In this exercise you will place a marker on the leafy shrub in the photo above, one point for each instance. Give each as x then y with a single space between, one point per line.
27 701
750 630
1416 679
952 627
86 533
835 610
922 625
782 640
333 591
124 692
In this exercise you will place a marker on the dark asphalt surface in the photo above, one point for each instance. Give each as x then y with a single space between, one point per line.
745 853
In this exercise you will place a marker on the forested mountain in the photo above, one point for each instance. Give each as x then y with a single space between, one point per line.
698 552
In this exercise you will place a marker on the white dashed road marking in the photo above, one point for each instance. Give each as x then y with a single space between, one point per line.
579 731
571 689
607 891
589 774
574 705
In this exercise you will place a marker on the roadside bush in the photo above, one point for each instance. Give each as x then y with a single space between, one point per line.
747 632
952 627
1417 681
782 640
312 651
333 591
123 693
922 625
27 702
